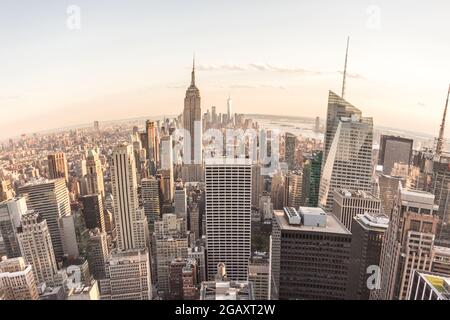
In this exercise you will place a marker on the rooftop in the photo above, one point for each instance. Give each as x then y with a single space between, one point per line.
333 225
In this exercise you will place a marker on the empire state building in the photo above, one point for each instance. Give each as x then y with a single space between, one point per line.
192 121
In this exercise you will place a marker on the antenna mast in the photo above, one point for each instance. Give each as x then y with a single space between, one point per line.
345 69
440 140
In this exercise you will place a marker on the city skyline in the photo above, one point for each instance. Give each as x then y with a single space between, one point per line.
128 62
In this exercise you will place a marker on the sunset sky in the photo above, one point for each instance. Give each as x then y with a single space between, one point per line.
133 58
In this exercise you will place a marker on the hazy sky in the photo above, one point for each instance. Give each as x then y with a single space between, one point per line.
133 58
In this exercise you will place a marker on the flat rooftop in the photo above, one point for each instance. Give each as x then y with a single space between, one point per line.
360 194
333 224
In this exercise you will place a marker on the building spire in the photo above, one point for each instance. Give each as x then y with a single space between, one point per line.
440 140
193 72
345 69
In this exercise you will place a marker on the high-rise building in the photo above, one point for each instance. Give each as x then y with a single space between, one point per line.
96 126
440 187
166 153
194 220
230 109
49 199
36 247
131 223
367 238
198 253
57 166
290 149
394 150
349 203
257 184
97 253
152 144
348 151
259 275
6 190
429 286
408 243
183 279
189 274
17 280
93 213
228 215
167 249
294 188
310 252
166 183
192 121
388 186
180 201
11 212
127 276
150 200
170 225
94 174
312 169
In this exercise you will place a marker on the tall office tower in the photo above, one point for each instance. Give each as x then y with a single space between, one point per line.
257 184
11 212
278 191
349 203
230 109
294 188
57 166
194 220
440 187
259 275
152 144
429 286
408 242
50 199
17 280
348 151
213 116
394 150
290 149
150 200
167 249
94 175
93 212
36 247
228 215
317 125
198 253
96 126
312 170
70 236
388 186
131 223
166 153
180 201
127 276
367 238
6 190
97 253
192 117
183 279
319 243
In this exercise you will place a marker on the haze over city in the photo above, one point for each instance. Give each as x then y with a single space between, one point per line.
281 58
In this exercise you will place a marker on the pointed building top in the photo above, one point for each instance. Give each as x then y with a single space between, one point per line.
345 69
193 72
440 139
